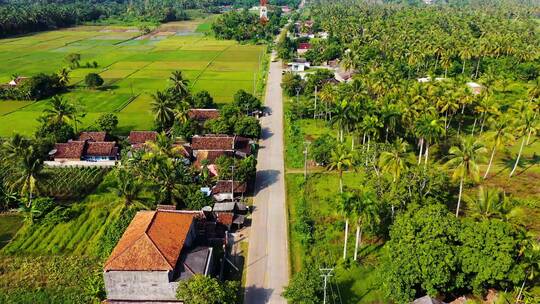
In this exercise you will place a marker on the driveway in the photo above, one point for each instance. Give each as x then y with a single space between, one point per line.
268 254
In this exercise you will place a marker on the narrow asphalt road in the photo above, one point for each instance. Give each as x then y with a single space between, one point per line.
268 254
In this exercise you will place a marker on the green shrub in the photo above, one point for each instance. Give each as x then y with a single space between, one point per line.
93 80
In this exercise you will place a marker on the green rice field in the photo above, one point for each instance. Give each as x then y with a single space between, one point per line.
133 67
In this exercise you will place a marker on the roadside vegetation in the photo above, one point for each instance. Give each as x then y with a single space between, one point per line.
418 183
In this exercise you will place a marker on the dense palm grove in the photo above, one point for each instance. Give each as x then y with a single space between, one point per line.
422 144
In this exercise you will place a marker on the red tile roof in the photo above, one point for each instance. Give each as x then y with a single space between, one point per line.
153 241
203 114
304 46
69 150
225 218
93 136
242 144
140 137
212 143
106 148
225 187
211 156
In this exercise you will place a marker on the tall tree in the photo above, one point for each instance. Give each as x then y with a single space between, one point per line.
180 86
163 109
463 160
340 159
500 136
526 125
366 213
60 111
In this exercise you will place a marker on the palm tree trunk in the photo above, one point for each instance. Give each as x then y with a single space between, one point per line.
358 240
477 67
459 197
482 125
421 143
473 127
519 156
346 235
518 298
490 161
463 70
427 154
340 181
352 142
386 136
530 130
367 151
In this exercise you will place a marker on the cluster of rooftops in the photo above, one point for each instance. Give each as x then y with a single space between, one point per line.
98 149
161 248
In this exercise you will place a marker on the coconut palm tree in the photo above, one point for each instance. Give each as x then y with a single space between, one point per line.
527 125
180 86
341 159
489 203
366 213
181 112
63 75
394 161
163 147
129 187
429 129
60 111
341 117
500 136
163 109
464 161
345 205
13 148
28 174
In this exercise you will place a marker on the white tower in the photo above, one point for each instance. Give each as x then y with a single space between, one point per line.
263 11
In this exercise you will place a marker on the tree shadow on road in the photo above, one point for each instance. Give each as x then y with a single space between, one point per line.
257 295
265 178
266 133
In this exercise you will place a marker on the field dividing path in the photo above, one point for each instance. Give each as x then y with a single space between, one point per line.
268 253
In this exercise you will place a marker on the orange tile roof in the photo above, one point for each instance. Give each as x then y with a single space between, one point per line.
152 241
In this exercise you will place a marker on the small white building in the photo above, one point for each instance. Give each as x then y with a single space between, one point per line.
476 88
299 66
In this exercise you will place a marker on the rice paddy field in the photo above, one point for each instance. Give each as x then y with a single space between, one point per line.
133 67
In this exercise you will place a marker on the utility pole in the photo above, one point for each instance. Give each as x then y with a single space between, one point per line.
315 111
232 183
306 145
327 272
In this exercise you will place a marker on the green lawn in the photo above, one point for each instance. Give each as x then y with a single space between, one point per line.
132 69
358 282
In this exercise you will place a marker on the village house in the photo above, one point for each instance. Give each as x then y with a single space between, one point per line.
299 65
89 149
475 88
93 136
157 251
137 139
230 214
210 157
239 146
17 81
224 191
344 76
286 10
303 48
202 115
